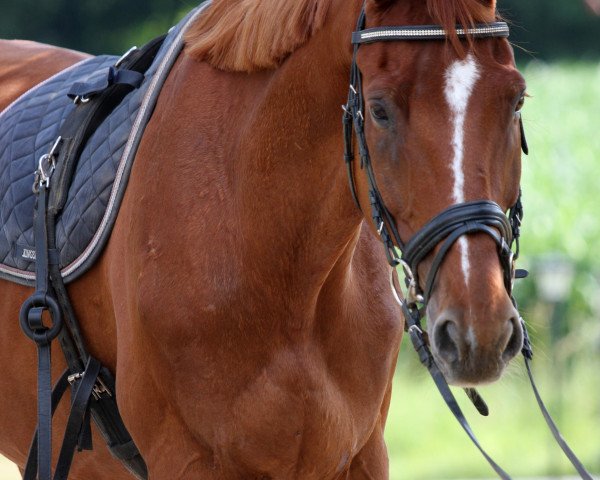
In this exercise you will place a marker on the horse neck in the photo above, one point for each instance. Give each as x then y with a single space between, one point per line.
294 194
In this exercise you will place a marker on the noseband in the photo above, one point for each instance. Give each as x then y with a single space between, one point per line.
483 216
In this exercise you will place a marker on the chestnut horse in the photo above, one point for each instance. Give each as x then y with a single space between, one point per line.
243 300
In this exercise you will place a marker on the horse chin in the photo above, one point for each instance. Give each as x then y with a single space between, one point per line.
469 375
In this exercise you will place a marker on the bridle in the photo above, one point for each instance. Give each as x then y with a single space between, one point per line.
482 216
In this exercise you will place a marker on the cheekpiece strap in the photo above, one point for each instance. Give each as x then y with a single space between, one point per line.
429 32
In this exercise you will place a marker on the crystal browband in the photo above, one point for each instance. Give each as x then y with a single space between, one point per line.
429 32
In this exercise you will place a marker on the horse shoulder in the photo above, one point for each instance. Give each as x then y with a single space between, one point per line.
24 64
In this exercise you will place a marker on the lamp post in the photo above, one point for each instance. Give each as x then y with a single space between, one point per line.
554 277
554 280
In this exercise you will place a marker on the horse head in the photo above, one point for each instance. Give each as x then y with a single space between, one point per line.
442 129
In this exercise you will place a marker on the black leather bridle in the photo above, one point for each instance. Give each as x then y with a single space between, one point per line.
483 216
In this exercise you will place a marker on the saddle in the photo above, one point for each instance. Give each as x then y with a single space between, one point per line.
92 193
67 147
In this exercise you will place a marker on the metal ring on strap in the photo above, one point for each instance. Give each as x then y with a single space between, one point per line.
45 302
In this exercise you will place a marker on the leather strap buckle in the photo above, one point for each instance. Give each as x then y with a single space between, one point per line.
99 388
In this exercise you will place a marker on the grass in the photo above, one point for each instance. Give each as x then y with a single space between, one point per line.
561 184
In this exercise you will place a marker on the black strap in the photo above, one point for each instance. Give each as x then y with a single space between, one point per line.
350 112
412 317
44 411
528 356
76 432
482 211
78 422
465 218
32 324
32 459
103 409
106 416
82 92
43 342
349 154
554 429
383 220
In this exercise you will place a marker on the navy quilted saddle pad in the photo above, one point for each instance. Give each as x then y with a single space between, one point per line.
28 129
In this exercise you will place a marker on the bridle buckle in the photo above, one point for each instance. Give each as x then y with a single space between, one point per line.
99 388
412 296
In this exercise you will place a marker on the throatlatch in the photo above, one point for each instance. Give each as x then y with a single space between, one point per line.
462 219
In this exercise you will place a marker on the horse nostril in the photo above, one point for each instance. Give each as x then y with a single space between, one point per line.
515 340
445 339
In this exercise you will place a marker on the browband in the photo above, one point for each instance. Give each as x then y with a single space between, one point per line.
429 32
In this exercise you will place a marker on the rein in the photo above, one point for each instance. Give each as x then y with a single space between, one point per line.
446 228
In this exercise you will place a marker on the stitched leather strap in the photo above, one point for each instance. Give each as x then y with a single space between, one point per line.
58 391
78 422
465 218
31 318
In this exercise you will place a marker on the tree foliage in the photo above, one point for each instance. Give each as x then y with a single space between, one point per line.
552 29
108 26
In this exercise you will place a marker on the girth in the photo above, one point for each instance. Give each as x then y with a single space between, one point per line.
482 216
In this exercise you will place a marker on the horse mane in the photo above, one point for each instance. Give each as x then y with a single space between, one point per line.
251 35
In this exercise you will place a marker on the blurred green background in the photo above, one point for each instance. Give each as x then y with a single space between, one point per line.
558 49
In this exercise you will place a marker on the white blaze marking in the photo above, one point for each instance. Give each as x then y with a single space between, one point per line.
461 78
471 338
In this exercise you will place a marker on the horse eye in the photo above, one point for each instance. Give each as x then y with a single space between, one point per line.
378 113
520 103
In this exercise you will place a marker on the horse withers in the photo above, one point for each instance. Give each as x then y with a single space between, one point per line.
243 300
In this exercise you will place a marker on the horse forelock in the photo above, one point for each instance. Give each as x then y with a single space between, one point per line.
447 13
461 12
252 35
